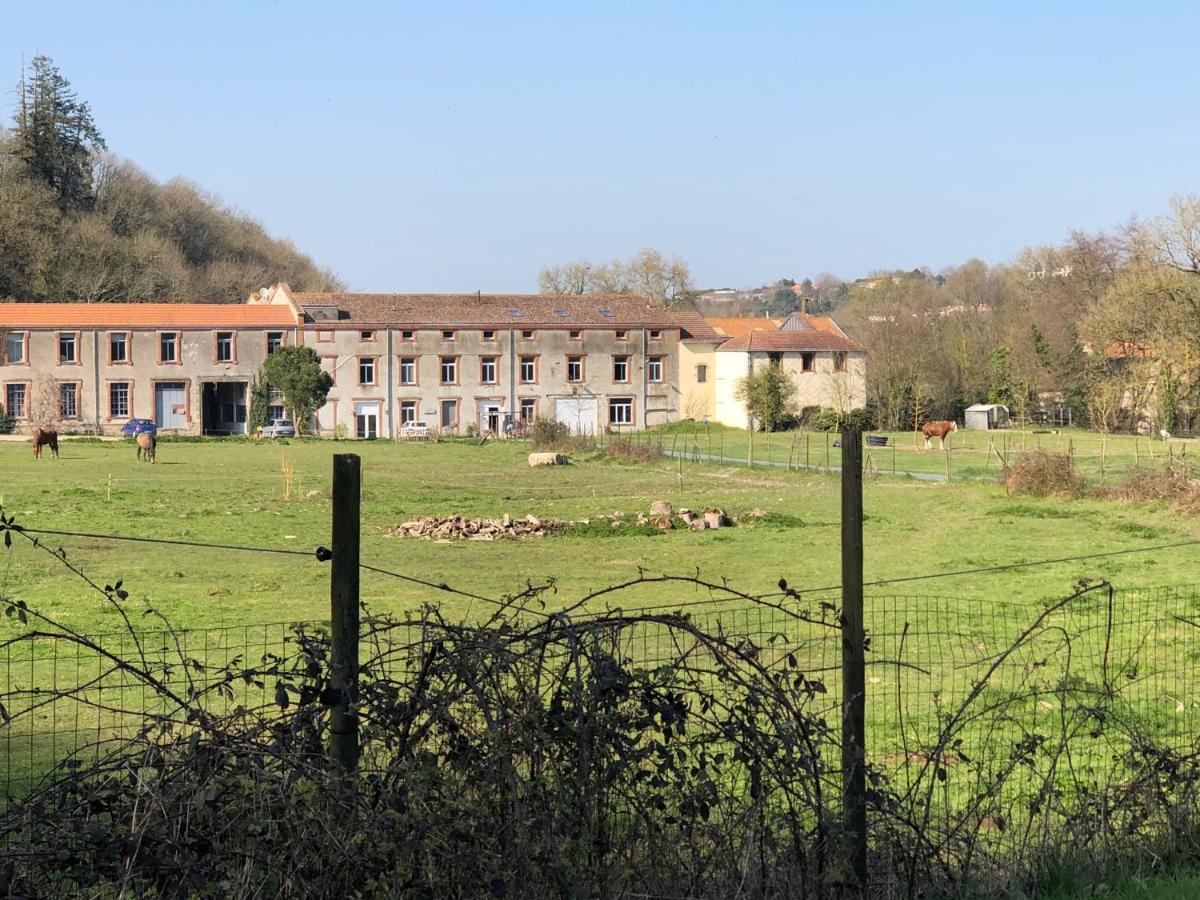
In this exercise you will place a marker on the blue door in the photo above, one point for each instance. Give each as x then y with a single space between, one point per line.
170 404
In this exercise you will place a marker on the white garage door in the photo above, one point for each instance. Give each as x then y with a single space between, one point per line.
577 413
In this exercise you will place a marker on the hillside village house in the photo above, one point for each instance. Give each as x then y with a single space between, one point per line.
453 361
829 369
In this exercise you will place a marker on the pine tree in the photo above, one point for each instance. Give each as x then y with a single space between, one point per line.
55 134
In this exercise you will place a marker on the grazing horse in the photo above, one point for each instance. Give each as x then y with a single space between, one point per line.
146 444
938 430
45 437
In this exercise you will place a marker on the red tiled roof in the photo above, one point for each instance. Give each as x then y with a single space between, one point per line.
142 315
502 310
696 327
760 341
740 326
801 321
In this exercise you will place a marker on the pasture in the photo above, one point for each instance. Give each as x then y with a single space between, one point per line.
233 492
946 630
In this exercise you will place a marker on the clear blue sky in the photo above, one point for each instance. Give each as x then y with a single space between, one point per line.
440 146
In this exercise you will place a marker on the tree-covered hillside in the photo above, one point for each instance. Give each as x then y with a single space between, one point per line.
79 223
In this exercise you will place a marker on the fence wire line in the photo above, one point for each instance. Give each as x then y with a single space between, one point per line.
322 555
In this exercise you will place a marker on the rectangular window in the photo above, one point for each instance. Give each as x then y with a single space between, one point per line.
274 404
406 335
447 335
366 370
574 369
449 418
118 347
839 361
489 335
487 369
577 335
620 411
655 334
528 410
408 411
68 352
14 348
528 370
274 341
621 335
806 360
324 336
621 368
654 369
366 335
449 370
168 347
68 401
118 400
408 370
225 346
527 335
701 374
14 400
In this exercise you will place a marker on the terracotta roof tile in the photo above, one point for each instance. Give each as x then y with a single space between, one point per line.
740 326
142 315
503 310
760 341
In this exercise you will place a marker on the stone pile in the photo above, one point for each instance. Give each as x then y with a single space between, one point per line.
444 529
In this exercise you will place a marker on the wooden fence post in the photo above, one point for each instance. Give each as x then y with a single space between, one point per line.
343 598
854 679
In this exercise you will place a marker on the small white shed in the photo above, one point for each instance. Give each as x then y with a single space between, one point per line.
986 416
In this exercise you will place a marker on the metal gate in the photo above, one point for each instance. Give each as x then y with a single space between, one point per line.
170 404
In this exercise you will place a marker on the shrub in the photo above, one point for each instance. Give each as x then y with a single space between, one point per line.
548 434
1167 484
820 419
1042 474
7 424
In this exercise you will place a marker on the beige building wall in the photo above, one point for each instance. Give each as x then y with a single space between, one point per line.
342 350
697 380
822 387
93 373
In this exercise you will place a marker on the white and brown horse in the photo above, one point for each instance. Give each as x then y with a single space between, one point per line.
938 430
45 437
147 447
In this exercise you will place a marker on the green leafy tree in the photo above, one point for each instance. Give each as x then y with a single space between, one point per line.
55 134
770 396
260 398
297 372
1000 379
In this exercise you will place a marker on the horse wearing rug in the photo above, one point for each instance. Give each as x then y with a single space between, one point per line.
938 430
146 444
44 437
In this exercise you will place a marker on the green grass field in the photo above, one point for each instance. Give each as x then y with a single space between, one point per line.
972 455
233 492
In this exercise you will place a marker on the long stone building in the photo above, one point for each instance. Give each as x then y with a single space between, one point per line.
456 362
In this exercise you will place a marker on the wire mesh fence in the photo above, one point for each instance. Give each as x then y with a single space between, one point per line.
998 672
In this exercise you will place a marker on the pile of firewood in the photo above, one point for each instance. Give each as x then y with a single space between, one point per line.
463 528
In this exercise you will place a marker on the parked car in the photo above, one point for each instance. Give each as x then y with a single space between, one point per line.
139 426
279 428
416 430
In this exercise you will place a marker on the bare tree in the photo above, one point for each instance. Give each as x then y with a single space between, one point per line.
661 280
569 278
45 402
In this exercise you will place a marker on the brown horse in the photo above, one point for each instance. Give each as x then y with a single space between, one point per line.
146 444
45 437
938 430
